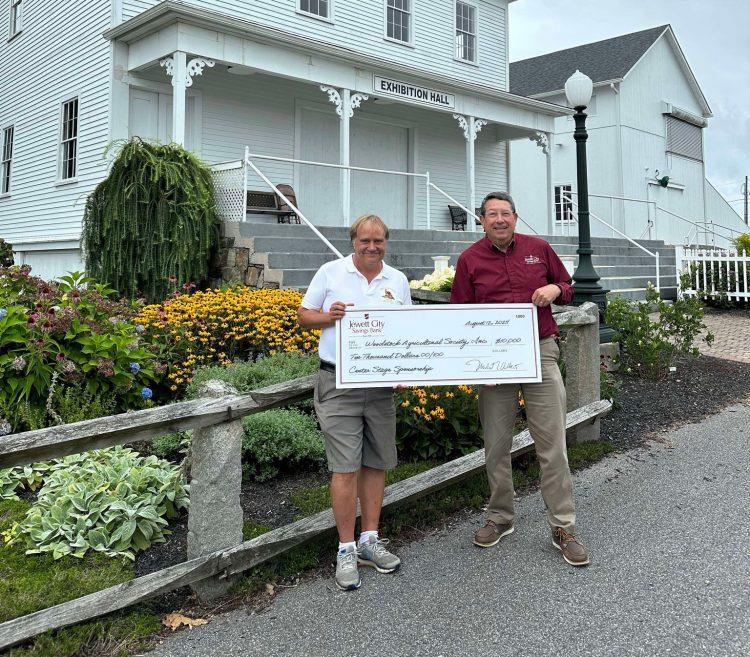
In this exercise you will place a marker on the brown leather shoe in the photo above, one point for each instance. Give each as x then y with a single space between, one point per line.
573 551
491 533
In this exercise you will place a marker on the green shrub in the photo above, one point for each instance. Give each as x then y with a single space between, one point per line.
151 220
277 439
247 376
6 253
170 446
648 347
111 501
609 387
742 243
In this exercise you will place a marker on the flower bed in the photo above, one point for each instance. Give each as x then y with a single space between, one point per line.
218 326
65 346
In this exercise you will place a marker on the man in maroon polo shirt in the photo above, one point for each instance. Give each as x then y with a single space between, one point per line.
507 267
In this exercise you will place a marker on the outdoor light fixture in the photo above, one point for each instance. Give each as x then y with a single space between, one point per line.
578 90
240 70
662 178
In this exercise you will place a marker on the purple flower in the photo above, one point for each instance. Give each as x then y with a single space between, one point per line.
135 368
18 364
3 313
139 328
146 393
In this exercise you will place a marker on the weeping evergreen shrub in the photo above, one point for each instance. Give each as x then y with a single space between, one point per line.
152 218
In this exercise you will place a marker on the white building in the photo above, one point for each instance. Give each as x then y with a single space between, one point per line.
646 122
404 85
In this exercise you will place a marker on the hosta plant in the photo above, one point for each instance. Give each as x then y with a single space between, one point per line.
112 501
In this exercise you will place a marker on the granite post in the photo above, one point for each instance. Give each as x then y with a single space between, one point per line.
215 518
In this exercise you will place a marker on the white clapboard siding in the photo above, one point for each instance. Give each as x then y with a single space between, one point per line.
707 267
360 25
59 54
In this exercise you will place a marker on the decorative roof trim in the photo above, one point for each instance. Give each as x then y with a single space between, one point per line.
170 12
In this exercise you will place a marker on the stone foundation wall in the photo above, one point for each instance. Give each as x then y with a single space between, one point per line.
237 262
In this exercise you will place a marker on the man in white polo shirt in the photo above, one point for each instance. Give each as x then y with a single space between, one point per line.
359 424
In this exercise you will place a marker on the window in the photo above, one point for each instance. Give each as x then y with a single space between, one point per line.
398 20
563 204
466 32
684 138
7 156
69 139
316 7
15 17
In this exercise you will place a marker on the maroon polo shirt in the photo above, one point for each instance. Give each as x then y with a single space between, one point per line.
484 274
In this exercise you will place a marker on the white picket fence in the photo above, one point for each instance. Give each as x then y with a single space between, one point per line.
714 273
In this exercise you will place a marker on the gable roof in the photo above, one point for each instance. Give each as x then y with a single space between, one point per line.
602 61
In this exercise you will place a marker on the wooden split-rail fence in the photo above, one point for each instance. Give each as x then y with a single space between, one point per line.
216 551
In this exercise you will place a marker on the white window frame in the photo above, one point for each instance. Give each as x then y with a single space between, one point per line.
410 26
310 14
62 141
6 159
16 18
475 35
562 205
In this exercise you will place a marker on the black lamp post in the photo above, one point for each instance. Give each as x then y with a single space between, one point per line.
578 90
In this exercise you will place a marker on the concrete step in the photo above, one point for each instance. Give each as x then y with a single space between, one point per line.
631 266
253 229
270 244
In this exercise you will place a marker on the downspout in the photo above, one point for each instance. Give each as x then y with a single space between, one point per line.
620 175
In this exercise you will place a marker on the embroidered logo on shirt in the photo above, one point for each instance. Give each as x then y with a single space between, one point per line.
532 260
388 295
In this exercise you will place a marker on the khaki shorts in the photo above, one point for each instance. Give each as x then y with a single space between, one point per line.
359 425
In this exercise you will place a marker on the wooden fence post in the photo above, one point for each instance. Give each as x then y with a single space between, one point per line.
582 371
215 517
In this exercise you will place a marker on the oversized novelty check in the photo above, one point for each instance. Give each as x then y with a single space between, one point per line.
438 345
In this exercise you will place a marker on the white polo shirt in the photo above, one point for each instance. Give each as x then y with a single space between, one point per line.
340 280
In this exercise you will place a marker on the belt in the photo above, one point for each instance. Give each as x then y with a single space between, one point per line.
328 367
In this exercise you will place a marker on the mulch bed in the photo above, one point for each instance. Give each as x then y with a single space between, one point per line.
700 387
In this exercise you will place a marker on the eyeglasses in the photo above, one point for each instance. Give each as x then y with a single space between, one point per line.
494 215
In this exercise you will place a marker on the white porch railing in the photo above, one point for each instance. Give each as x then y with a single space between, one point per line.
231 185
651 228
717 274
653 254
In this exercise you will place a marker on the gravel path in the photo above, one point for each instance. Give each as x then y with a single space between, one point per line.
668 526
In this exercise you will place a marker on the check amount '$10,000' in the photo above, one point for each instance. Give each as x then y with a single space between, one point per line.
438 345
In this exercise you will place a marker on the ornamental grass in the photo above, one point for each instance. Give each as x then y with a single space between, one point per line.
218 326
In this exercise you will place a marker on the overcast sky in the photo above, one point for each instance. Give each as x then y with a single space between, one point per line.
714 35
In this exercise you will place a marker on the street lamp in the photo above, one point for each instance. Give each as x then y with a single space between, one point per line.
578 90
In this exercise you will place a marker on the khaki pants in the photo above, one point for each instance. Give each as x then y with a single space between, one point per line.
545 412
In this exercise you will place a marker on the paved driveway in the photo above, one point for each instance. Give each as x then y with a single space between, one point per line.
668 527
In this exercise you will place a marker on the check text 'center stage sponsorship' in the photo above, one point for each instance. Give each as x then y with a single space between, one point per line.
438 345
